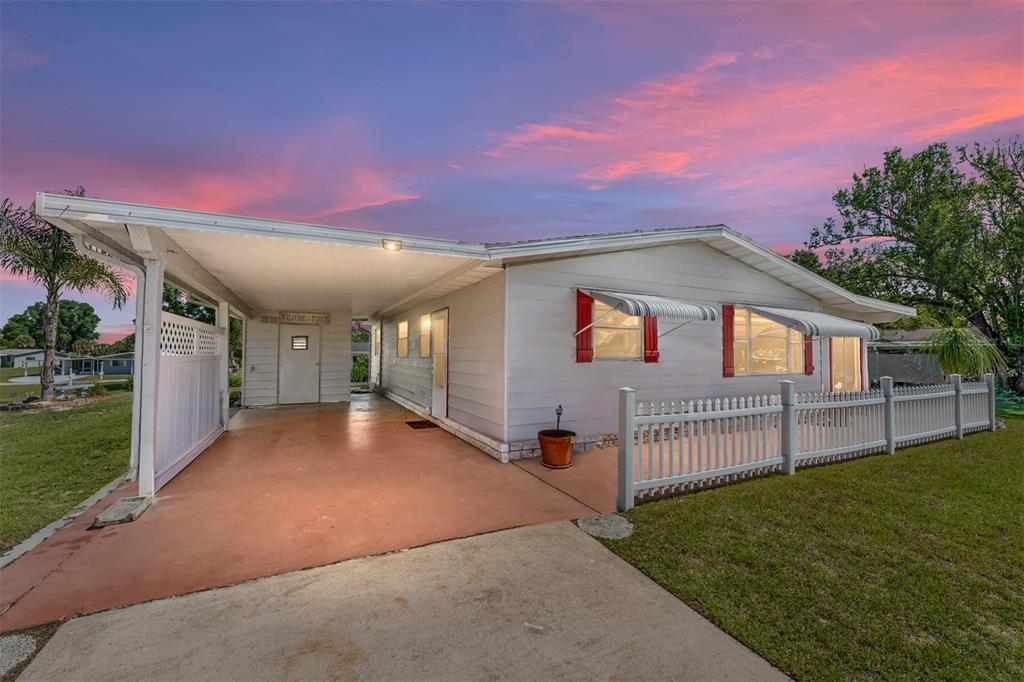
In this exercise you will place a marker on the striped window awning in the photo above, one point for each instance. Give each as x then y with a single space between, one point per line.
816 324
643 305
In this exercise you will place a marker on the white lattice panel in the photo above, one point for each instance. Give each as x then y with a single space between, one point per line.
189 393
182 337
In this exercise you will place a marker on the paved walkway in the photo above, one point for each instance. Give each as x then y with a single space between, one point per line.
544 602
286 489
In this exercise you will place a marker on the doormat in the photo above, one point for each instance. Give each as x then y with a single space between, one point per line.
421 424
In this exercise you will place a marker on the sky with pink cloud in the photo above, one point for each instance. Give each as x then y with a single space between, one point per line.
488 121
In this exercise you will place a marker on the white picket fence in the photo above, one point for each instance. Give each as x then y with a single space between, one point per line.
672 446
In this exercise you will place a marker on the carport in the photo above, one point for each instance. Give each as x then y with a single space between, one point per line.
288 488
257 270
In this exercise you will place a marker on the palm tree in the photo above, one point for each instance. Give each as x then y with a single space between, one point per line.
960 350
32 248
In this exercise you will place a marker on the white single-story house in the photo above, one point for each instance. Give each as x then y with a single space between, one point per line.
27 358
115 363
483 339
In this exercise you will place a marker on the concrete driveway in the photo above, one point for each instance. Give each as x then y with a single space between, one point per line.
286 489
544 602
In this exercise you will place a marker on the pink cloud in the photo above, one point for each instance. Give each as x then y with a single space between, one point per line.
112 333
537 132
718 60
15 60
741 128
668 164
325 171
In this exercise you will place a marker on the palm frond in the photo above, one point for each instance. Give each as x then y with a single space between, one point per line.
959 350
47 255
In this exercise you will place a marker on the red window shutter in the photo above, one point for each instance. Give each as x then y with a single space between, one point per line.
831 364
808 354
584 316
863 369
651 353
728 363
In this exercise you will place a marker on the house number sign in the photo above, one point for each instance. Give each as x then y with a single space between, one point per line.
306 318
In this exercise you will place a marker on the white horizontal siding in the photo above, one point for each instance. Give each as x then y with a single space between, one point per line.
260 385
261 353
476 360
542 367
336 359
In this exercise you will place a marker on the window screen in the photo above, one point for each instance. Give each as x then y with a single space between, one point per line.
616 335
425 336
761 346
300 343
402 348
846 367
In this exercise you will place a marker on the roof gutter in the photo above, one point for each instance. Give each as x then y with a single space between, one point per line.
60 206
121 213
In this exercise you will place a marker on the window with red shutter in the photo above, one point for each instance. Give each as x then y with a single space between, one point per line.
808 354
584 339
651 353
728 362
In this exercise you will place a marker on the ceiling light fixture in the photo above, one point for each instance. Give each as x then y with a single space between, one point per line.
391 244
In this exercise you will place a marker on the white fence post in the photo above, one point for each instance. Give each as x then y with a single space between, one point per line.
890 415
224 323
787 442
990 384
627 428
956 381
148 375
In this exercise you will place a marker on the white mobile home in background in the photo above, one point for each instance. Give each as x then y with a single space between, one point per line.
484 339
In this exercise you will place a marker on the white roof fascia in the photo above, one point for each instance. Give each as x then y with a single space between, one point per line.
58 206
616 240
55 207
815 279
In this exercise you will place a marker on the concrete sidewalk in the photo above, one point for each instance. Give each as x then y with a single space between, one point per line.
542 602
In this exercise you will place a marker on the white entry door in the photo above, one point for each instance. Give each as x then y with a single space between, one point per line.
298 374
439 354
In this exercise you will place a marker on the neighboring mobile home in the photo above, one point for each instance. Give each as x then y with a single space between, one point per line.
484 339
29 358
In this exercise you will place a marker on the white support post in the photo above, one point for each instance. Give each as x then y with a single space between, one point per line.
224 322
136 373
956 381
890 415
149 375
990 384
627 429
787 437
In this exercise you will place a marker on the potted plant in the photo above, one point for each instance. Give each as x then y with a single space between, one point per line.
556 445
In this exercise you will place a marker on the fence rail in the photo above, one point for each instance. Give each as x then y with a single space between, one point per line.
669 446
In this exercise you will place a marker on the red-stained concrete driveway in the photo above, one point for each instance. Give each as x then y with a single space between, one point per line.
291 488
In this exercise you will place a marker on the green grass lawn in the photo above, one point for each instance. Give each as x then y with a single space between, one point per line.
16 393
908 566
51 461
6 373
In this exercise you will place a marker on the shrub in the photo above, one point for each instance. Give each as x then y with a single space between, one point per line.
234 380
96 391
360 369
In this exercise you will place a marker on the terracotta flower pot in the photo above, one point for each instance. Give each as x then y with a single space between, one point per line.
556 447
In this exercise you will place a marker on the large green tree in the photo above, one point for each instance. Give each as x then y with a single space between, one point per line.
941 230
76 321
44 254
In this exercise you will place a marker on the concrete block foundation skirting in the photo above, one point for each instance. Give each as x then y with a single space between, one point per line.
500 450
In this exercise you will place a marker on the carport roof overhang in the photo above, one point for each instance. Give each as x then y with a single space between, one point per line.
267 265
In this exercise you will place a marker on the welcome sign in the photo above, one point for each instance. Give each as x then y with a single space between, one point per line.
305 318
